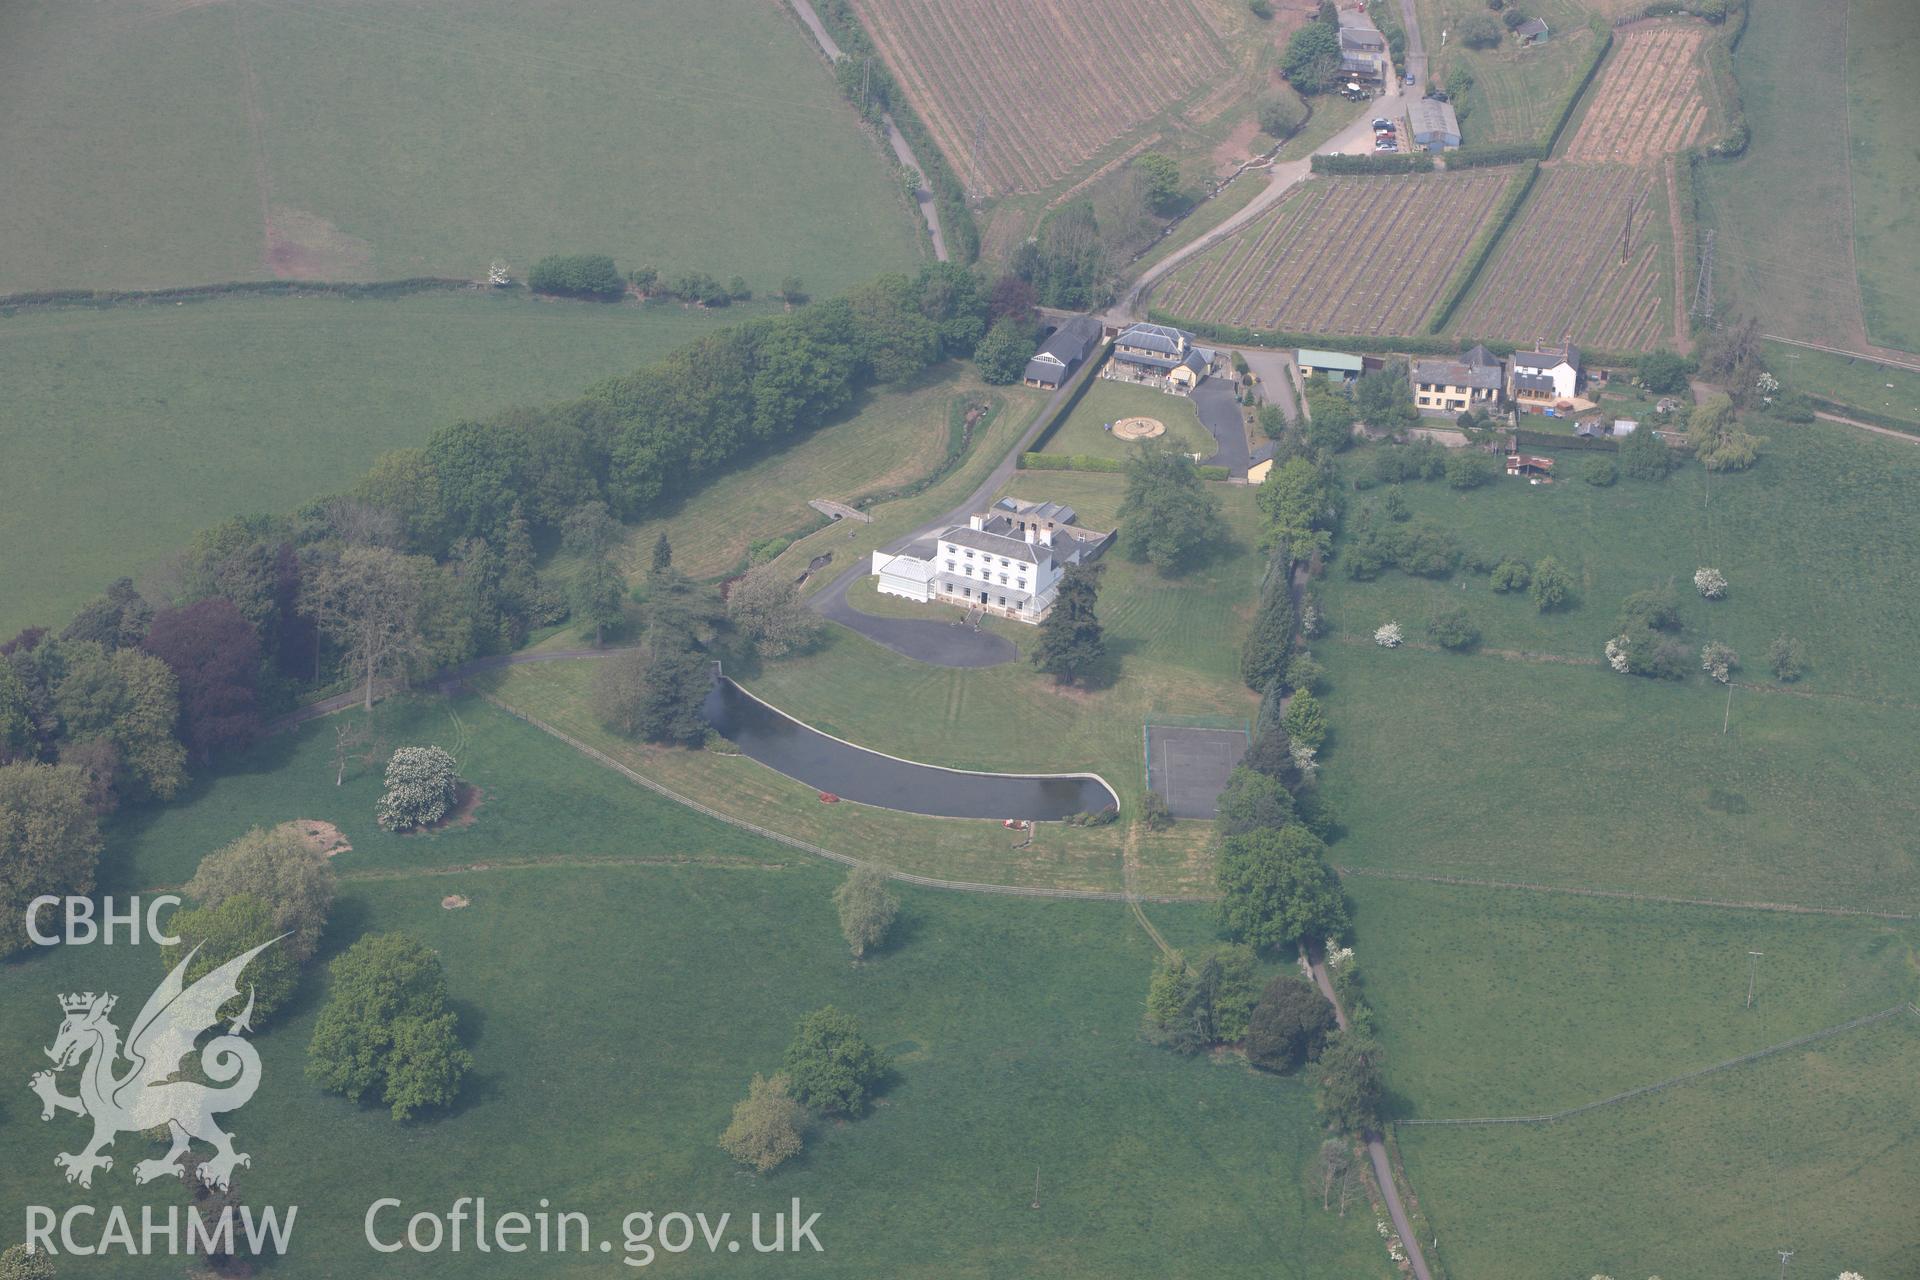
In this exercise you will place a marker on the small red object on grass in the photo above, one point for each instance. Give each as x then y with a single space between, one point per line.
827 797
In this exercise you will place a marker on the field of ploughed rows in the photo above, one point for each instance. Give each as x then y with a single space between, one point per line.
1647 102
1050 81
1557 272
1342 255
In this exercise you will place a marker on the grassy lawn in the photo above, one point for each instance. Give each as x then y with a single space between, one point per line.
1813 1150
1878 387
157 144
1777 254
1615 782
891 439
618 1003
129 429
1883 47
1108 401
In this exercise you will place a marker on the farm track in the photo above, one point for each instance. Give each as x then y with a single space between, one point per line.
1366 255
1647 103
1037 77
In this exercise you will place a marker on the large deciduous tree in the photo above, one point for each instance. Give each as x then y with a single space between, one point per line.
277 866
867 906
1071 639
1276 889
368 602
765 607
598 590
130 699
832 1067
765 1131
216 934
422 786
214 654
386 1029
1167 519
1289 1025
1003 354
49 841
1350 1091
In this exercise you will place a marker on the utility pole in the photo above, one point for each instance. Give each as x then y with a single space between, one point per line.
866 78
1753 973
1036 1188
1785 1255
979 140
1626 230
1703 290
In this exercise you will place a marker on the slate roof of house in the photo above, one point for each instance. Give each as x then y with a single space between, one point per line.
997 544
1356 19
1480 357
1531 27
1059 512
1546 357
1362 39
1457 373
1072 340
1533 382
1155 337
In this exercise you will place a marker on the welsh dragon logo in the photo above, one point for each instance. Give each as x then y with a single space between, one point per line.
147 1095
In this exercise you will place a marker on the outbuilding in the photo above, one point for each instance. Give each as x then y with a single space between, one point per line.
1335 366
1435 124
1062 353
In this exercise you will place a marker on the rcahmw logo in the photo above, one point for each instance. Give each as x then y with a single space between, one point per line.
77 914
144 1095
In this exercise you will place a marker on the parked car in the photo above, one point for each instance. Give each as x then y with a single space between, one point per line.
1381 122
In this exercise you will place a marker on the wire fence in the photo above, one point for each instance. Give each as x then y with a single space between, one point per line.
1237 724
1644 1089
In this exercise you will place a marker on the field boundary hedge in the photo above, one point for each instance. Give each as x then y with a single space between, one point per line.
191 292
1550 440
1495 153
1411 162
1475 258
962 234
1092 462
1369 343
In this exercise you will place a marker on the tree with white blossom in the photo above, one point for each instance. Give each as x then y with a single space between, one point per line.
1388 636
1719 660
1710 583
422 785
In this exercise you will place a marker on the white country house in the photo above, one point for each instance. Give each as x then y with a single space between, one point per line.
1006 561
1545 373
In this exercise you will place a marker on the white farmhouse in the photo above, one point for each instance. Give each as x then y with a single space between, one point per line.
1543 374
1006 561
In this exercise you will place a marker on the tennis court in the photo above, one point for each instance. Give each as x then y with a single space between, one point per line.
1188 767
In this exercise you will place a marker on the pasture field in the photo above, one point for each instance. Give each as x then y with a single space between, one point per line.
1020 97
1881 388
1557 272
1777 255
1516 89
131 428
1341 255
1646 102
687 953
1617 782
166 142
890 438
1883 48
1552 1001
1109 400
1812 1150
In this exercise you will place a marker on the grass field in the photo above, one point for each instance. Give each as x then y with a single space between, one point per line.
1883 47
1881 388
686 954
1340 255
1616 782
1814 1150
888 440
1108 401
1515 89
164 142
1550 1001
1776 254
133 427
1020 97
1557 271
